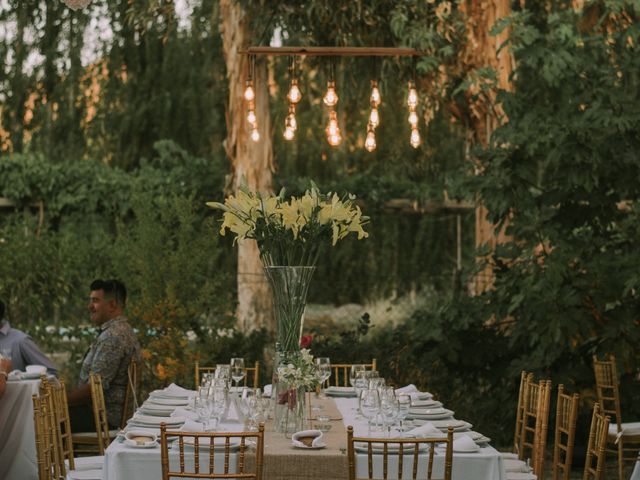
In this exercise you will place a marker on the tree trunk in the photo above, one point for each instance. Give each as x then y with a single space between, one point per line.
482 51
251 162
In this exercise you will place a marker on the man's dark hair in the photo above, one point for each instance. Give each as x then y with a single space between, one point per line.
1 309
113 289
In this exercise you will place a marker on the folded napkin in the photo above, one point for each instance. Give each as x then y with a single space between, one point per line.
232 411
408 389
183 412
424 431
192 426
14 375
174 389
315 443
464 444
266 391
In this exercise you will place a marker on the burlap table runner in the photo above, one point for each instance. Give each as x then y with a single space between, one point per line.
283 461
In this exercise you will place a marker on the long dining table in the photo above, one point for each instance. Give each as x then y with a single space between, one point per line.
282 461
17 436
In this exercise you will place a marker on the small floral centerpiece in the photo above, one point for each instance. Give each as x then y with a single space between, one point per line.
295 378
290 233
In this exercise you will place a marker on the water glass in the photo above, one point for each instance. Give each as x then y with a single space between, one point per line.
353 373
389 409
370 406
404 404
237 370
217 403
324 369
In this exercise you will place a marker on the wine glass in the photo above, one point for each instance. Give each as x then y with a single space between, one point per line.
389 409
217 404
202 406
360 384
353 373
324 366
370 406
237 370
404 404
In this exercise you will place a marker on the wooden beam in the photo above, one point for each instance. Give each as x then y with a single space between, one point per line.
334 51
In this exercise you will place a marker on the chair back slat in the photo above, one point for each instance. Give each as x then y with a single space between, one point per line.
223 447
535 424
251 374
565 433
595 460
402 448
340 372
130 403
607 388
517 435
99 412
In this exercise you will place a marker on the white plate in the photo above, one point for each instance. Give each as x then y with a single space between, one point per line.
466 450
430 403
440 415
30 376
315 447
155 413
154 420
340 392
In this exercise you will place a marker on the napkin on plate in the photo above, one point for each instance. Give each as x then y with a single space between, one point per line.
183 412
15 375
425 430
191 426
266 391
178 390
464 444
408 389
317 441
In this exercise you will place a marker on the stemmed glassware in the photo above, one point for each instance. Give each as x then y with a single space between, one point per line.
404 404
389 407
324 369
370 406
202 406
360 384
237 370
353 373
217 403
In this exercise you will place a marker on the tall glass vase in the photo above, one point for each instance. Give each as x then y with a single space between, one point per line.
289 286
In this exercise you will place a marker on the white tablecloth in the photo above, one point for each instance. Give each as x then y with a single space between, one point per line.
17 437
483 465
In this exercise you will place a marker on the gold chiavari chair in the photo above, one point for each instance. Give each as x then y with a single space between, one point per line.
406 450
340 372
208 445
525 377
535 425
565 434
250 373
99 441
625 437
130 403
63 437
596 448
46 454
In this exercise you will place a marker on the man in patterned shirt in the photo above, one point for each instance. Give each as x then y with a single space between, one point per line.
109 356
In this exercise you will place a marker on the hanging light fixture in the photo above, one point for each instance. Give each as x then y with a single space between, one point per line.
330 98
294 96
375 97
250 96
290 123
374 117
370 141
412 103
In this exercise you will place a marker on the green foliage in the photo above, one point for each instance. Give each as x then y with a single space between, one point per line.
562 174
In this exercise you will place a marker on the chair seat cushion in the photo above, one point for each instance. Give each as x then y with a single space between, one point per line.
628 429
521 476
515 465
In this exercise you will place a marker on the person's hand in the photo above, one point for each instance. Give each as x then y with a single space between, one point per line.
6 365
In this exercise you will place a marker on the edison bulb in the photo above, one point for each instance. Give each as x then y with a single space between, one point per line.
330 97
415 138
333 129
412 97
370 142
255 135
375 98
334 140
288 133
374 117
249 93
251 117
291 122
294 95
413 118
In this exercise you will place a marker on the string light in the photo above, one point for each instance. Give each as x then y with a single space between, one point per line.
290 123
370 142
255 135
415 138
330 98
294 94
288 134
251 118
334 136
412 97
375 97
413 119
249 92
374 117
250 96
